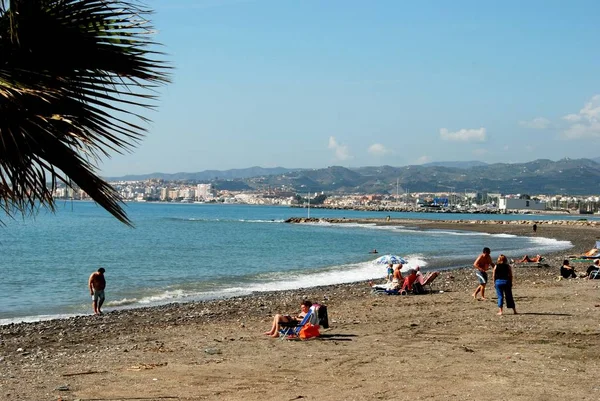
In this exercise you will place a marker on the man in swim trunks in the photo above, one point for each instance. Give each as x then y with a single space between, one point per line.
97 283
482 264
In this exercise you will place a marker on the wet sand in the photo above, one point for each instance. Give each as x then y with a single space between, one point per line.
441 346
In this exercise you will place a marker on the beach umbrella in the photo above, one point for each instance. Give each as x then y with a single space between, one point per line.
387 259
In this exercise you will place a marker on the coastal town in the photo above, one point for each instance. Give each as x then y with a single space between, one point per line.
471 201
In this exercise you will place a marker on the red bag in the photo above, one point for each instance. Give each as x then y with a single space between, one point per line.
309 331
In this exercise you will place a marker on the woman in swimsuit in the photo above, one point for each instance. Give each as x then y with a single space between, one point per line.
278 319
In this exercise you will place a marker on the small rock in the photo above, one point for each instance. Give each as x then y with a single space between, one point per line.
213 351
63 388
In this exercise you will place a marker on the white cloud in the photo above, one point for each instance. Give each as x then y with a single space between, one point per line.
581 131
586 123
341 151
536 123
591 110
423 160
378 149
464 135
480 152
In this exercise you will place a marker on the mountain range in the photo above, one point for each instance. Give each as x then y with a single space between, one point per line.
565 176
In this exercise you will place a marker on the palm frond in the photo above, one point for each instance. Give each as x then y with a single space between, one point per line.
74 76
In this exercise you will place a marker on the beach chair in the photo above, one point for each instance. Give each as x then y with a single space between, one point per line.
292 329
427 282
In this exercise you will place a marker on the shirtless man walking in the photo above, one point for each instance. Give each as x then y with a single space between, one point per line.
483 263
97 283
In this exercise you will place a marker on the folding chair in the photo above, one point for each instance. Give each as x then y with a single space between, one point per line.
429 279
292 329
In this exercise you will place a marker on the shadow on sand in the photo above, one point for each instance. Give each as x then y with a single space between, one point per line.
337 337
544 314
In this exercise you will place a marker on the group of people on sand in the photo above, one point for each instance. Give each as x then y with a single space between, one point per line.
400 280
568 271
502 276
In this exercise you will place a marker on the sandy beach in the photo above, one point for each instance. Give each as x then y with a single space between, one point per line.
442 345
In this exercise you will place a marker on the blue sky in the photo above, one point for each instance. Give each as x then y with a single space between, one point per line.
361 83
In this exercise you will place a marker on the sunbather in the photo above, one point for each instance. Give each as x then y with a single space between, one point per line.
278 319
527 259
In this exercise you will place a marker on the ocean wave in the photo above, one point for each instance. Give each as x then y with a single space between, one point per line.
456 233
122 302
369 226
504 235
36 318
166 296
189 219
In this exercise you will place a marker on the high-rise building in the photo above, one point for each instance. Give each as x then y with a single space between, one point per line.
204 192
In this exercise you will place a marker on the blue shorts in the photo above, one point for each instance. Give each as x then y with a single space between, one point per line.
98 295
482 277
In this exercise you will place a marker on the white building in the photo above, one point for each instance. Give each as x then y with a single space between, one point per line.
521 204
203 191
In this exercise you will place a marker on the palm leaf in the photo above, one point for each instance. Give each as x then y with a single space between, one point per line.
74 77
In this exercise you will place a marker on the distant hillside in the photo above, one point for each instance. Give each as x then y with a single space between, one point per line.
207 175
467 164
566 176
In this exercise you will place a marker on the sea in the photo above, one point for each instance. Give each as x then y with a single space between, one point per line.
188 252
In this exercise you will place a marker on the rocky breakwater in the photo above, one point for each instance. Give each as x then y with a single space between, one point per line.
569 223
329 220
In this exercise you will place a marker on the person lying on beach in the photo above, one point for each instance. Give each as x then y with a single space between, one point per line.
527 259
278 319
567 271
592 268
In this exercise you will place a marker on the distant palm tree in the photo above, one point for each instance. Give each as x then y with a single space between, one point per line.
74 76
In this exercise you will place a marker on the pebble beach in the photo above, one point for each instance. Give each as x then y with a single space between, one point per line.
454 347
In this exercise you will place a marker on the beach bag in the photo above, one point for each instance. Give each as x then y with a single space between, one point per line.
323 320
309 330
